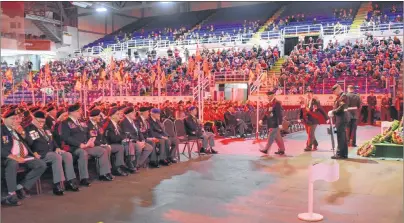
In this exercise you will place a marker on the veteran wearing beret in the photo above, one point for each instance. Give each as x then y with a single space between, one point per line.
95 129
14 153
41 142
74 134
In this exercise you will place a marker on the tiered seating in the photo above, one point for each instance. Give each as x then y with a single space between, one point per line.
358 64
387 11
229 22
312 13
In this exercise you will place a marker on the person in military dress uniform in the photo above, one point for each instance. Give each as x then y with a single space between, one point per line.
40 140
354 100
142 123
341 118
168 146
193 128
51 117
142 149
96 130
14 153
273 118
74 134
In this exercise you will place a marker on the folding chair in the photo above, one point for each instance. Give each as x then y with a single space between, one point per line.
185 139
170 129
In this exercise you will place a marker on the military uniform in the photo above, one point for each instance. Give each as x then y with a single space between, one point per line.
12 143
95 130
74 134
385 109
141 154
144 127
354 100
341 118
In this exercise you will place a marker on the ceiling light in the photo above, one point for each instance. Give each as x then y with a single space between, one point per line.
102 9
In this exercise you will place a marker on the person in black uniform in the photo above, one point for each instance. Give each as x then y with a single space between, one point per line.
75 136
142 149
41 142
371 100
193 128
341 119
142 123
96 130
308 114
116 137
354 100
273 117
14 152
167 146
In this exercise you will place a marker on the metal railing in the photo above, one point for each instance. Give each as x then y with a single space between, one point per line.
300 30
382 27
231 77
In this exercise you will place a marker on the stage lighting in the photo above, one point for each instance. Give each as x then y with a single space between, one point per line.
101 9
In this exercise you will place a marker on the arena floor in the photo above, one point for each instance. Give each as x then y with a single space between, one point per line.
237 186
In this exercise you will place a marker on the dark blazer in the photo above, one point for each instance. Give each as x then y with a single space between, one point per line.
111 135
354 100
340 104
37 142
273 117
50 122
156 129
7 142
73 135
144 127
97 132
192 127
135 134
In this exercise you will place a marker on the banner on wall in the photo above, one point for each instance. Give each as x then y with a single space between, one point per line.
35 44
150 99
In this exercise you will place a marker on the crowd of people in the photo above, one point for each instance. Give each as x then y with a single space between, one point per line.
379 59
378 16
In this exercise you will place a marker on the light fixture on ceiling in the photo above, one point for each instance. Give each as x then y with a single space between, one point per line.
101 9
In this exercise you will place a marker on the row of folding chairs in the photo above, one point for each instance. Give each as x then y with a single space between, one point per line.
176 130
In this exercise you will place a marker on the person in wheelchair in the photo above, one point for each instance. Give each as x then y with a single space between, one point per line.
193 127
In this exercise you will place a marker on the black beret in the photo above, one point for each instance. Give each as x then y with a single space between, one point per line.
181 102
74 107
34 109
143 109
112 111
121 107
92 107
128 110
50 108
95 112
335 87
39 114
113 104
309 91
60 112
270 92
11 112
191 108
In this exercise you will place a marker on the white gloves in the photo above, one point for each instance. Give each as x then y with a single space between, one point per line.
299 120
331 113
260 122
280 126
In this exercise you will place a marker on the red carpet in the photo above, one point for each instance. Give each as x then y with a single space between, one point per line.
228 141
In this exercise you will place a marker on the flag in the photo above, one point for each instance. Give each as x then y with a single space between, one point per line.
84 76
9 75
24 84
325 171
198 54
30 77
158 67
77 87
112 64
205 66
103 74
90 84
196 73
153 76
191 65
163 79
118 77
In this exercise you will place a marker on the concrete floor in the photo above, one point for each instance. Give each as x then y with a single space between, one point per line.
239 185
